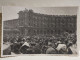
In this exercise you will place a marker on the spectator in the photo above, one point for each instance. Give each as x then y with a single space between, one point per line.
50 50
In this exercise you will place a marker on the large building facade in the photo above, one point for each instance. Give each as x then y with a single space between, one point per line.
30 23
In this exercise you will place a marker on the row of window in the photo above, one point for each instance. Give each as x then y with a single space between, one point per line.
47 31
52 25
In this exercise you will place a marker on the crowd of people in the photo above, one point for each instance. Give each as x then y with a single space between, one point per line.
65 43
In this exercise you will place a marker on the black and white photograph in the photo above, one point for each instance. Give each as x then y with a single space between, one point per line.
39 30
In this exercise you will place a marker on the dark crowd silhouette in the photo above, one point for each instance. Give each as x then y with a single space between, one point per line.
65 43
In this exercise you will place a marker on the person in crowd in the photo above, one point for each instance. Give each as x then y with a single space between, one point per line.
15 47
31 50
24 47
51 50
44 48
34 49
7 49
69 49
62 49
72 47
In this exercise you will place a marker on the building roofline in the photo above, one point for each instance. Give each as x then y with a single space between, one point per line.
10 20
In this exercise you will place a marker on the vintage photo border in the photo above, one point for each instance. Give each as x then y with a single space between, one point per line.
0 31
42 54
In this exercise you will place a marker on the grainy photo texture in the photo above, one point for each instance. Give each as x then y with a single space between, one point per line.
39 30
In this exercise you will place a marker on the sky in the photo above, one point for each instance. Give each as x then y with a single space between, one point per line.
9 13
